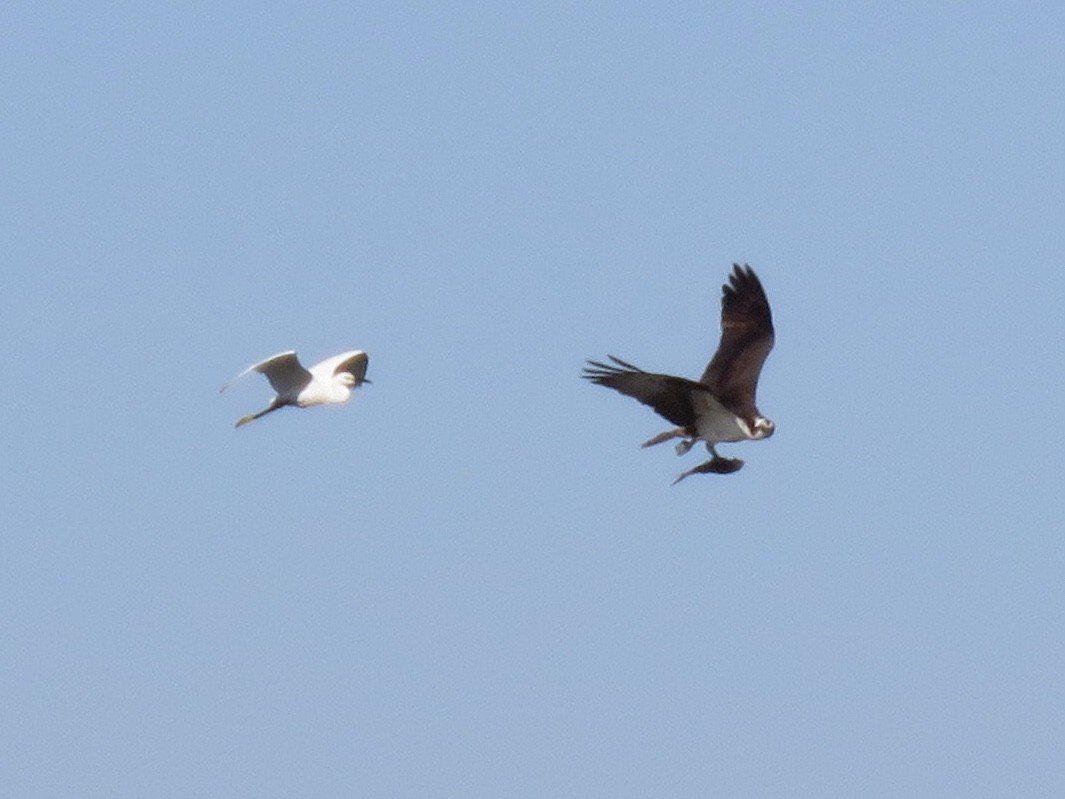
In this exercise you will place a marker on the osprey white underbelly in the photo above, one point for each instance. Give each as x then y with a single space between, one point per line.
714 423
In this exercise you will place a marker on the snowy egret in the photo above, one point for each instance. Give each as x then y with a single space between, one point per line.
327 383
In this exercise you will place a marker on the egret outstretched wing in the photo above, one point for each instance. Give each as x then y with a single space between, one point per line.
286 375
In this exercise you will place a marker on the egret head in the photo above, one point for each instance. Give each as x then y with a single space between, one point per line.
349 381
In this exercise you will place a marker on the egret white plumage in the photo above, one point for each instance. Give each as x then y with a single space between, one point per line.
330 382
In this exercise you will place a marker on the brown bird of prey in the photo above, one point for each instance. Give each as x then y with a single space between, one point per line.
721 406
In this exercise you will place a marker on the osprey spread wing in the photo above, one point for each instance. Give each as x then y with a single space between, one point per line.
721 405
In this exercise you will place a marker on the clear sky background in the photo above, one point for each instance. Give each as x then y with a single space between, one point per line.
471 581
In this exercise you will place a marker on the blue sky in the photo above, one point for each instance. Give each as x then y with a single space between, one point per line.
471 581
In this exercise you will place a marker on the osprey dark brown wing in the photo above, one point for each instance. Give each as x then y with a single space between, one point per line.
746 339
671 397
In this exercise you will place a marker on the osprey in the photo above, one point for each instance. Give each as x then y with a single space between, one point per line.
721 406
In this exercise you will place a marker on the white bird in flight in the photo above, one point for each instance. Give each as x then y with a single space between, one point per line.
327 383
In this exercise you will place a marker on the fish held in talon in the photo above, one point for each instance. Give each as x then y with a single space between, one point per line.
716 465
